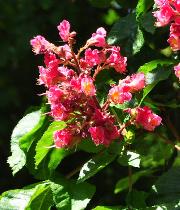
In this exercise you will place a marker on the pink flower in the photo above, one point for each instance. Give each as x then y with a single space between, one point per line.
177 71
119 94
104 131
64 30
160 3
135 82
92 57
98 38
116 60
54 94
98 135
59 112
39 44
76 84
66 52
49 57
174 42
164 15
63 138
103 135
88 87
66 73
48 76
174 39
146 118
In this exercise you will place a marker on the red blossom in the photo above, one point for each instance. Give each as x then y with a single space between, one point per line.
145 117
88 87
64 30
116 60
63 138
39 44
119 94
135 82
98 38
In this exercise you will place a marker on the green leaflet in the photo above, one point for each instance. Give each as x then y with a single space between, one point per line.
142 7
24 132
155 72
38 197
68 195
127 34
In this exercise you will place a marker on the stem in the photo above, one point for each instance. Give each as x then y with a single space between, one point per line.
73 172
106 105
99 68
74 57
172 128
82 49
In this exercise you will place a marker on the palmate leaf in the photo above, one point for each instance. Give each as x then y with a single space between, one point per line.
94 165
24 131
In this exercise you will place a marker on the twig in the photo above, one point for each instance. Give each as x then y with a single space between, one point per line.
172 128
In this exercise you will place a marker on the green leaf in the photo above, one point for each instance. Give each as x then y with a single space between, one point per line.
127 34
155 72
143 6
46 141
147 22
94 165
23 131
129 158
167 187
123 184
36 197
153 151
68 195
61 196
150 66
138 41
136 199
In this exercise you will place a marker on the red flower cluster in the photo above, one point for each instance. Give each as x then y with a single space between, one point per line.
71 93
169 13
